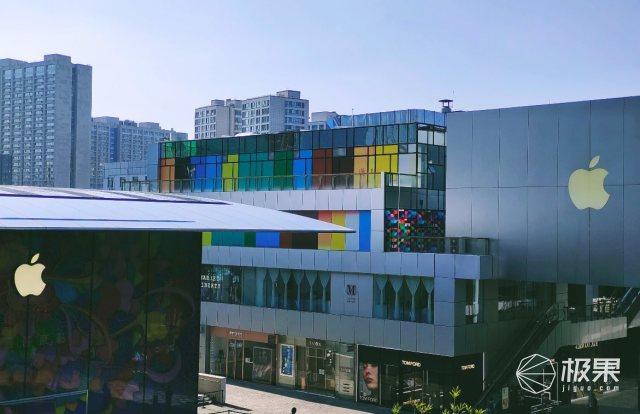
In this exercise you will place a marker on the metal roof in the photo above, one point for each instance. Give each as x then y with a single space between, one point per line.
76 209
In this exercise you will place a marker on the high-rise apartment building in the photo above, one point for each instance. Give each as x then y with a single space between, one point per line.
45 120
113 140
220 119
284 111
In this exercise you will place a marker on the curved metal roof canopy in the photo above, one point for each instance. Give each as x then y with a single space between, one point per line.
75 209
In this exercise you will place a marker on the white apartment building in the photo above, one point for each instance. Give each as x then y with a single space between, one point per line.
284 111
221 118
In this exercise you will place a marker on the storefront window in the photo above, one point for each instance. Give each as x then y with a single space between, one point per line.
403 298
386 376
304 290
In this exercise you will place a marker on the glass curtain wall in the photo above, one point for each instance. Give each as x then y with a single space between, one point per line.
303 290
333 158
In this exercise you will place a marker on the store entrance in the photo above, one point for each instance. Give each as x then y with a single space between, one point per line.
316 370
412 381
235 356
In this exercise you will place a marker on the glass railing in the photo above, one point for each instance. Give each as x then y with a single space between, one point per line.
276 183
409 180
261 183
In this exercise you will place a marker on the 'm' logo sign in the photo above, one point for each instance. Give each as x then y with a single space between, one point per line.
351 290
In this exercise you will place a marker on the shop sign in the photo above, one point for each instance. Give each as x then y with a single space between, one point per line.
467 367
587 345
411 363
352 292
315 343
240 334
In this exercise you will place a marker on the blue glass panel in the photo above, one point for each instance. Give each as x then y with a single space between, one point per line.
298 172
267 239
364 231
387 118
373 119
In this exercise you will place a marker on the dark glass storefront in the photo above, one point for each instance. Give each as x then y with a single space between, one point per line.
314 365
242 355
114 329
388 376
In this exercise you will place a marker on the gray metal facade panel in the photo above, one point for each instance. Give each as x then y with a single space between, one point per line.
542 234
459 145
606 241
573 139
631 140
485 149
631 227
513 147
573 240
459 209
512 263
484 214
543 147
606 138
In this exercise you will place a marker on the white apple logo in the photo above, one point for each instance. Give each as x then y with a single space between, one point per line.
28 277
586 187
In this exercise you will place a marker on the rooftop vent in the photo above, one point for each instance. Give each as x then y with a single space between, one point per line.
446 105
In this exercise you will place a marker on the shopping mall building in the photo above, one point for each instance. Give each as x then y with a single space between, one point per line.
480 237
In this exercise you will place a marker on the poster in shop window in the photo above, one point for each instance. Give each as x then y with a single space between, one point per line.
286 360
368 382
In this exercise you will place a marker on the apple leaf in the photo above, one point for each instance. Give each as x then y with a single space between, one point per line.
594 161
35 258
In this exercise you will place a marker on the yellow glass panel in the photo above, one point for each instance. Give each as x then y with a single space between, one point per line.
391 149
206 238
394 163
371 169
324 239
379 149
360 150
360 169
382 163
338 240
232 158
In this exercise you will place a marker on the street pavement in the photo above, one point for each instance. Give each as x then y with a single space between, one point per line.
247 397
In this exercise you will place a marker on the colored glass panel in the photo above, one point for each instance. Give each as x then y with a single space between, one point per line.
338 239
324 239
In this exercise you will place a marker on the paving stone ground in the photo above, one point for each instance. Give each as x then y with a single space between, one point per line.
245 397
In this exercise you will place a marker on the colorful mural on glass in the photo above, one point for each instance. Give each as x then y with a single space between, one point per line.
117 322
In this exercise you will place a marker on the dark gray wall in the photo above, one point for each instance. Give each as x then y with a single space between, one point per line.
507 175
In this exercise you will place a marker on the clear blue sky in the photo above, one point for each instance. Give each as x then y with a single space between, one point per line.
156 60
